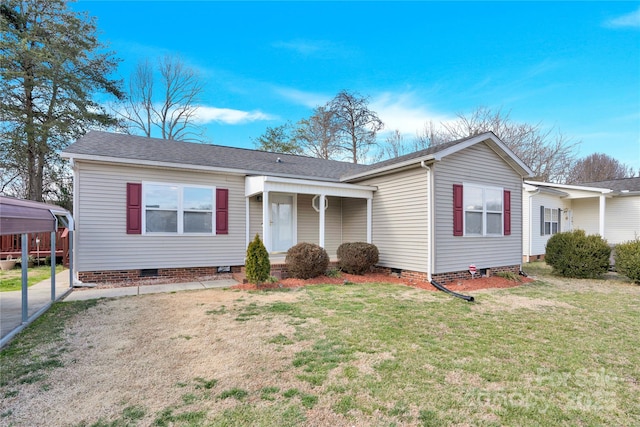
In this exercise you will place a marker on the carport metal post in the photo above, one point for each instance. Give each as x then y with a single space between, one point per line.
71 258
53 263
24 263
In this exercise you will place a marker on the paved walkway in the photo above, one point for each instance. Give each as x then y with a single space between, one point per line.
39 295
88 293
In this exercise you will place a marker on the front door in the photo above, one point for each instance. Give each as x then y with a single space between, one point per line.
282 231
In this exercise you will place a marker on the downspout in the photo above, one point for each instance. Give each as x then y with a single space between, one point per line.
431 238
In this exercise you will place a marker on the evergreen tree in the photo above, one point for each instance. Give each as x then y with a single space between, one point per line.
51 66
257 266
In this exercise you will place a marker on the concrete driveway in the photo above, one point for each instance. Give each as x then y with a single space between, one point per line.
38 296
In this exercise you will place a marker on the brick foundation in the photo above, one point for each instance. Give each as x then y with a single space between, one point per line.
531 258
282 272
443 278
278 270
186 274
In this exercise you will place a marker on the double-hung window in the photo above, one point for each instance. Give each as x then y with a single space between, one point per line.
551 221
483 210
178 209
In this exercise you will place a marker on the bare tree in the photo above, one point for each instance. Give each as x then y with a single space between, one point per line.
426 137
138 108
357 124
172 108
599 167
395 145
549 154
317 135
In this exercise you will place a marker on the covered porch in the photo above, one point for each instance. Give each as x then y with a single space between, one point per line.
286 211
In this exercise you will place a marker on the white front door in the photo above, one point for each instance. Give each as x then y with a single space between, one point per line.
282 222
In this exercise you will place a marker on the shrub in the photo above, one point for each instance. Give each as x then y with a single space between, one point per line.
574 254
357 257
306 260
257 265
627 258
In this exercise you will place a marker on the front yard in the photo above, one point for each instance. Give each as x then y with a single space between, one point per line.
554 352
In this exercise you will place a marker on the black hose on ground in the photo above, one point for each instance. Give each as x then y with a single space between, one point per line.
455 294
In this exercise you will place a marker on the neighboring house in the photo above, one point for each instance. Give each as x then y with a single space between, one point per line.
608 208
147 207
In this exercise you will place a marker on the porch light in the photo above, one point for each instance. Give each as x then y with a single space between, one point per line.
315 203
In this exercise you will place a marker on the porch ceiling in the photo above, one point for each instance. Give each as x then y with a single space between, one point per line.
259 184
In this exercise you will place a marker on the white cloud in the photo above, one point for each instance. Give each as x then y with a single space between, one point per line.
629 20
315 48
308 99
228 115
402 111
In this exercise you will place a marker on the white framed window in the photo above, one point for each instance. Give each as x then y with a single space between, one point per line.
483 210
551 221
177 208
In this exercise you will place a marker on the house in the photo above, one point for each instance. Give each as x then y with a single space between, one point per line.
608 208
151 207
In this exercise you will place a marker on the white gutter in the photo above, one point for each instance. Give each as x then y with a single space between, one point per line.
570 187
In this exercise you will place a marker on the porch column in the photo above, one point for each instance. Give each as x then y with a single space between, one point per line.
601 216
266 221
246 223
321 205
369 219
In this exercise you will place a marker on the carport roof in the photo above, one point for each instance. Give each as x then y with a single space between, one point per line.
19 216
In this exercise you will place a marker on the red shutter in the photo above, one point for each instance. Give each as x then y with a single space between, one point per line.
507 212
134 208
222 211
458 211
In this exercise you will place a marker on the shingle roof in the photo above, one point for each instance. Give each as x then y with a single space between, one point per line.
624 184
122 146
97 144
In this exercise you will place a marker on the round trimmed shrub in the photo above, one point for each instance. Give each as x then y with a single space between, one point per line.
627 258
257 266
357 257
574 254
306 260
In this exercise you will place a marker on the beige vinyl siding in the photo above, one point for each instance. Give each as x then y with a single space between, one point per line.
102 241
622 219
539 242
400 227
354 220
479 165
255 218
309 223
586 215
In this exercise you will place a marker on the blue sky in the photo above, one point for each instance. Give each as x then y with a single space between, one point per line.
574 66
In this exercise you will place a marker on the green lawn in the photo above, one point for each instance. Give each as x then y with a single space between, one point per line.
11 280
554 352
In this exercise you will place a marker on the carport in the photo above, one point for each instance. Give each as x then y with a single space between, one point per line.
22 217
